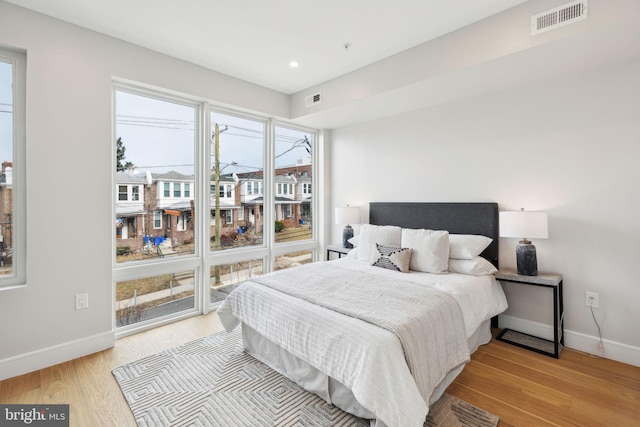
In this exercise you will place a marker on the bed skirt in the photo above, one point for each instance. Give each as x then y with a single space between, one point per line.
329 389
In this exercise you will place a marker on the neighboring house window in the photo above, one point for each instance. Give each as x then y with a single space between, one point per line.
240 214
176 189
123 192
229 216
167 189
249 186
187 190
135 193
12 175
157 219
228 191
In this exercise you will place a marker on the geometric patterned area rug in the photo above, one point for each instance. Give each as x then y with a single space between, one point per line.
212 382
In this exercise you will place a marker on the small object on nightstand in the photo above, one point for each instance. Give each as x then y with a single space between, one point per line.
348 215
525 225
337 249
540 345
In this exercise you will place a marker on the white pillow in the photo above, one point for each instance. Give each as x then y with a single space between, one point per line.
386 235
467 246
355 241
430 249
477 266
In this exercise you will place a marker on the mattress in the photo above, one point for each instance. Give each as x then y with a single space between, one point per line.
354 363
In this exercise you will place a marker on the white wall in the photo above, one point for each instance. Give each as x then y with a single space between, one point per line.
577 139
69 178
569 147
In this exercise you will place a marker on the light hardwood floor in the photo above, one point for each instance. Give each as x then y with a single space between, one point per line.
522 387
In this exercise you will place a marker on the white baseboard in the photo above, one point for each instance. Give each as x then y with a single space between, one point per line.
43 358
578 341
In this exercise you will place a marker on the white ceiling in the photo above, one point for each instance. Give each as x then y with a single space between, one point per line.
255 40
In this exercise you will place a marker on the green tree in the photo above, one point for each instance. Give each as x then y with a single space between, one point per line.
120 156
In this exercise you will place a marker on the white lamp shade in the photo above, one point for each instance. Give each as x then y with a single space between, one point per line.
348 215
523 224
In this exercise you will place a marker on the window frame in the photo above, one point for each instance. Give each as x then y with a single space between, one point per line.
204 259
18 276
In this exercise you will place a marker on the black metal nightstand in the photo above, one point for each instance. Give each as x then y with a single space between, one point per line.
338 249
530 342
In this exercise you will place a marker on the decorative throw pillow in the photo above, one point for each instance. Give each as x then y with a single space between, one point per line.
430 249
393 258
467 246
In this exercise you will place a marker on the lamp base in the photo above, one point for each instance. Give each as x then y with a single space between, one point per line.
347 233
526 259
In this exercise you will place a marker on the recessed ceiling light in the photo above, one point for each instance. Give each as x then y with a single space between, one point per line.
293 64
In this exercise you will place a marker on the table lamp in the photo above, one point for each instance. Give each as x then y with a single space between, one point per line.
523 223
347 215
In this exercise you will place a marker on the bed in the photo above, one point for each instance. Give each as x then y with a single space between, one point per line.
380 343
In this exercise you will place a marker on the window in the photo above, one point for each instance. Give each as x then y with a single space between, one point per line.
237 147
225 278
163 225
137 300
293 158
157 219
12 172
156 136
292 259
123 192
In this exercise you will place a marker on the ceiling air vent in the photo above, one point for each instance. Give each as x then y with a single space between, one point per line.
559 17
312 100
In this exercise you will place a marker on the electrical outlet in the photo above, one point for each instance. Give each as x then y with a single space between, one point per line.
591 299
82 301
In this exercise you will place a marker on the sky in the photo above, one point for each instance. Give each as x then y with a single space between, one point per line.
159 136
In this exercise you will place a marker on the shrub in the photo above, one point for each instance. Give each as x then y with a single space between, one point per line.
123 250
279 226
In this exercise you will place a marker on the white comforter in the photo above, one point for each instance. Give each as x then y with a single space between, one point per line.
366 358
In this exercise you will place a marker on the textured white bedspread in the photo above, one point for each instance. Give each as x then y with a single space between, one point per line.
366 358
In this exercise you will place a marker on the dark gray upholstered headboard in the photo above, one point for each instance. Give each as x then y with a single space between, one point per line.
456 218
